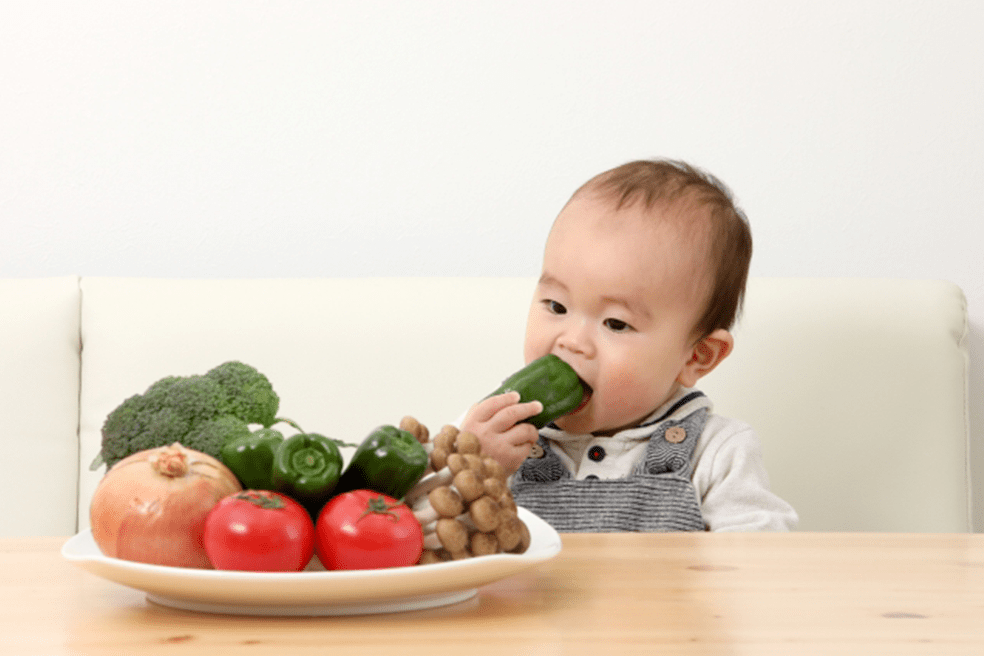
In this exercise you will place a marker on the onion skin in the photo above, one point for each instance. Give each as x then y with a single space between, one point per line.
150 507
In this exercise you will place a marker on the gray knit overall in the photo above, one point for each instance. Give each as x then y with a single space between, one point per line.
657 497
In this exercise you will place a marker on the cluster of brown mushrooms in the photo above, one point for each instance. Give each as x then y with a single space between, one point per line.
462 502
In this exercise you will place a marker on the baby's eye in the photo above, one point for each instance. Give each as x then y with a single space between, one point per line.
554 307
617 325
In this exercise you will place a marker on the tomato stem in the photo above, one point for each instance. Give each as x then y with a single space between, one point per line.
262 499
379 506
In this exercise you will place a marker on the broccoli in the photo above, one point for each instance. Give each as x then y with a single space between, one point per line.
200 412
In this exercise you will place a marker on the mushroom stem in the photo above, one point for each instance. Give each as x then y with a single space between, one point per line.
432 542
443 501
428 483
426 515
443 476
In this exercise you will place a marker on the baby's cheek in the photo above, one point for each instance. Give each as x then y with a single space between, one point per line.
631 396
625 387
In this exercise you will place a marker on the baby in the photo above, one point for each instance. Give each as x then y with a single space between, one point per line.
643 276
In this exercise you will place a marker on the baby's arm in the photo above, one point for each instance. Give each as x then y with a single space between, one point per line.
498 423
731 479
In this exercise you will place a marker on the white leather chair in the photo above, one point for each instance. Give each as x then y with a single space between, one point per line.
858 388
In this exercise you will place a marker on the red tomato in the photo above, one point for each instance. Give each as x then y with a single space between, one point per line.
363 529
259 531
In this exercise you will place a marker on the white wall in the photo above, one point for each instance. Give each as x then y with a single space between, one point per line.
257 139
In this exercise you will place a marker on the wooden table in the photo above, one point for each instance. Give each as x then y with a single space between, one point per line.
790 594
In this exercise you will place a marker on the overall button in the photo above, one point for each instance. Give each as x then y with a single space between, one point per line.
596 454
675 434
591 477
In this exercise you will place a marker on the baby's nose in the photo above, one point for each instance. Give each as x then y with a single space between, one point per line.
576 339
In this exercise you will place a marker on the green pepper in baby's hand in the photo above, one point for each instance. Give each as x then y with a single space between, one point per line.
389 461
552 382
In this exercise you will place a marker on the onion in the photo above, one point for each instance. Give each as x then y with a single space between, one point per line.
151 506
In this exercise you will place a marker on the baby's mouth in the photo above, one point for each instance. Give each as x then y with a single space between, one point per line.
584 398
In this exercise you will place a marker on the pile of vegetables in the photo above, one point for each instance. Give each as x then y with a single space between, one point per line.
198 477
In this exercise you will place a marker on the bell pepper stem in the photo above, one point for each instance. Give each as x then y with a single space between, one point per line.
293 424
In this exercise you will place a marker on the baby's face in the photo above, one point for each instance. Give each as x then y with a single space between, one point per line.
617 300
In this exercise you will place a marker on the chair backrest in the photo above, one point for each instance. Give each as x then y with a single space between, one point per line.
39 404
858 390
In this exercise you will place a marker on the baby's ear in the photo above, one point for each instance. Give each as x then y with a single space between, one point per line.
708 353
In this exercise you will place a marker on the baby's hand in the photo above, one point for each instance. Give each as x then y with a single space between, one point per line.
495 420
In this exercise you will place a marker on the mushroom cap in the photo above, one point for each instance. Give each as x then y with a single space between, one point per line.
485 513
524 540
494 487
456 462
439 458
467 442
475 463
445 438
507 502
484 544
493 469
430 556
452 534
469 485
446 502
509 532
415 428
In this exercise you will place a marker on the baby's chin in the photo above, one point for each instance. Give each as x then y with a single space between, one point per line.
583 424
576 424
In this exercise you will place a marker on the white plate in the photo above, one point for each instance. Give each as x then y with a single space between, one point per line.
315 592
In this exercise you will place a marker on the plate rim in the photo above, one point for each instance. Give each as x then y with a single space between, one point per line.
546 544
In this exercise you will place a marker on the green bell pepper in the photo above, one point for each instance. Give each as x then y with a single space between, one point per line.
389 461
552 382
306 468
251 457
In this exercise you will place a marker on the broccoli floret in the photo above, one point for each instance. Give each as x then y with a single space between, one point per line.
194 398
121 428
200 412
250 395
209 436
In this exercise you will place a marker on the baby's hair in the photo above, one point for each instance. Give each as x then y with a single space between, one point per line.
665 183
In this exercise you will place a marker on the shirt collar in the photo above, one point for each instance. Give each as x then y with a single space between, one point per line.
683 402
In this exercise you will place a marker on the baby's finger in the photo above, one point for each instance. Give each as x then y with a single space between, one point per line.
521 435
513 414
489 407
